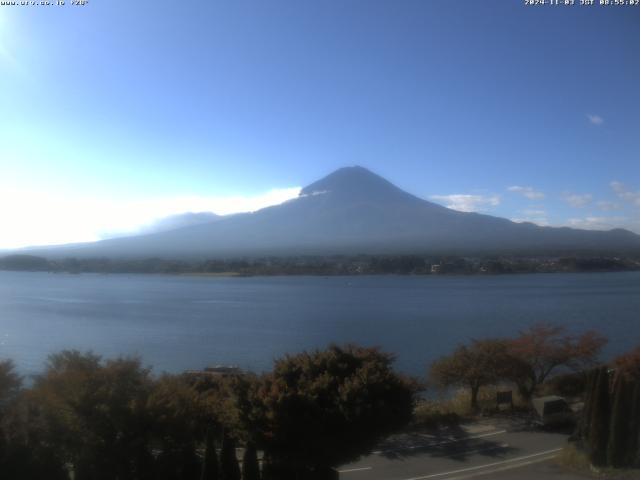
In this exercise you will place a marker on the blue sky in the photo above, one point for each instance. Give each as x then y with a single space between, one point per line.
119 112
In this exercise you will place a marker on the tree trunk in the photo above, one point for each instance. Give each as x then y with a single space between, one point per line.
525 392
633 454
474 398
229 468
250 467
210 466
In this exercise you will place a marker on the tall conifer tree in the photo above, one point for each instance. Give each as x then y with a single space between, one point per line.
599 424
230 470
617 448
210 467
250 467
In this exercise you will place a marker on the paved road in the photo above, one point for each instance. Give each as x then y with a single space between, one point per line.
482 450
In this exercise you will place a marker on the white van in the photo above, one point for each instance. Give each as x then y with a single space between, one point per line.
553 410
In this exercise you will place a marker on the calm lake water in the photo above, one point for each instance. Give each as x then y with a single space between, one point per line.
176 323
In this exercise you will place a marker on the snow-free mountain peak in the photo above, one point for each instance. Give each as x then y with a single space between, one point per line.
353 211
355 182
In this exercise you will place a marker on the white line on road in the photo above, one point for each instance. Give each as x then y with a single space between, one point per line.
446 442
349 470
505 468
479 467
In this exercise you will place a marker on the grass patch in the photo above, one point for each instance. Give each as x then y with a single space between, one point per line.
572 458
451 408
430 414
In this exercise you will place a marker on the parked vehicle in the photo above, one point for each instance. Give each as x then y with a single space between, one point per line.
553 410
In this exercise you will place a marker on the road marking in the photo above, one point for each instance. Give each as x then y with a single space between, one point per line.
478 450
479 467
446 442
349 470
505 468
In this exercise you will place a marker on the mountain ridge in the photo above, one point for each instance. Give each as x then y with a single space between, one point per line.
352 210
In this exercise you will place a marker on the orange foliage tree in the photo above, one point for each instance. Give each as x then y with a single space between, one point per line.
543 349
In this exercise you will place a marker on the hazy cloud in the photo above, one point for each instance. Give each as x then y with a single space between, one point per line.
607 206
625 194
595 119
598 223
533 215
468 203
528 192
43 219
578 200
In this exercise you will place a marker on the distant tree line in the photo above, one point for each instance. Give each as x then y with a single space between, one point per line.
92 419
327 265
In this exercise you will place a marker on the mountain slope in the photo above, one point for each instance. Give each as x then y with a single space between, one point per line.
354 211
183 220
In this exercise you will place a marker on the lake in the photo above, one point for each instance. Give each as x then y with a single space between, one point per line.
180 322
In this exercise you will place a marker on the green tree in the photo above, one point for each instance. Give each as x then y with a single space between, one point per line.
481 363
324 408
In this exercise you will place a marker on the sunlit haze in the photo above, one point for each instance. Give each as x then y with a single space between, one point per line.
66 219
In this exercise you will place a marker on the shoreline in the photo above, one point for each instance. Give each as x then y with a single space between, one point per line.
326 275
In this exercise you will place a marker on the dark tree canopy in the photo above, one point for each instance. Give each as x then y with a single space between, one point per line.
10 381
325 408
94 412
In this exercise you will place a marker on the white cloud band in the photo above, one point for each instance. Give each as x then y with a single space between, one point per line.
468 203
528 192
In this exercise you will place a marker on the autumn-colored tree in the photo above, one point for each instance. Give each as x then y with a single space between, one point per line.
324 408
629 364
94 413
543 349
481 363
179 427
